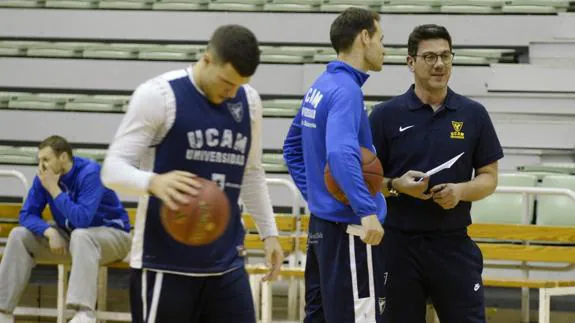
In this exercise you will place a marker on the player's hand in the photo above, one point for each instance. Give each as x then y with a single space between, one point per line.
48 178
413 183
58 244
373 229
173 187
446 195
274 257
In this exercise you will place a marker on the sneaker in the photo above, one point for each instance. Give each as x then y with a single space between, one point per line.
83 317
6 318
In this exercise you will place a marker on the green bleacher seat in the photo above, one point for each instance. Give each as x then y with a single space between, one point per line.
5 98
97 103
287 54
279 113
533 7
549 168
293 5
470 60
13 48
248 2
505 208
18 156
273 158
49 49
180 4
281 108
237 5
274 162
95 154
556 209
325 55
126 4
112 51
169 52
369 3
37 102
433 3
408 9
482 3
336 8
396 51
468 9
560 4
394 59
483 52
21 3
285 104
72 4
300 2
274 168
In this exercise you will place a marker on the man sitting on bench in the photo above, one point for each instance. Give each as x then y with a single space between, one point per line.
91 228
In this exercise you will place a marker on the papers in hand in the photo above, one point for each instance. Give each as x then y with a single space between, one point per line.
355 230
443 166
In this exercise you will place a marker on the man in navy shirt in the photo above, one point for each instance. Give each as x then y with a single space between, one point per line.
341 274
91 227
428 253
203 121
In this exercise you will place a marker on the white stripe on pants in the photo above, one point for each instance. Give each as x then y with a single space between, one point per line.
155 296
364 307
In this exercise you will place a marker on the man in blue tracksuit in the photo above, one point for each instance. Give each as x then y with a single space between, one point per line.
329 129
91 225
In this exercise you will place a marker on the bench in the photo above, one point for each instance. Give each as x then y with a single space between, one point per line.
289 240
523 244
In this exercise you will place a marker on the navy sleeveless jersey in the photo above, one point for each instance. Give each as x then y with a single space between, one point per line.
213 142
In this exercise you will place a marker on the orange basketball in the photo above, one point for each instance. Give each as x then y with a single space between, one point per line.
201 221
372 174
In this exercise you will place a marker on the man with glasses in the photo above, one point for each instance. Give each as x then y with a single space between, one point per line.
428 254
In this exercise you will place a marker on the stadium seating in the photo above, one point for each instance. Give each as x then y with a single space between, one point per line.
386 6
508 57
506 208
556 209
270 54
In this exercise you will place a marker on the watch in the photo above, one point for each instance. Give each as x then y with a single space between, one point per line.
392 191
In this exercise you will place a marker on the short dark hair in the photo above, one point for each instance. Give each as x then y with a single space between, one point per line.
58 144
349 24
426 32
238 46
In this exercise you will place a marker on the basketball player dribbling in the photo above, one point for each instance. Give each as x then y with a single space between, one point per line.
201 121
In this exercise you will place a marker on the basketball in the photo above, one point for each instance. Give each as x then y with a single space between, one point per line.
201 221
372 174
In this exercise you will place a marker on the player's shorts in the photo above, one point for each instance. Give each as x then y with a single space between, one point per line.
157 297
343 276
444 268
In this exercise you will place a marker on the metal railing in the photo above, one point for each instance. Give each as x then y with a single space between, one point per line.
19 176
527 193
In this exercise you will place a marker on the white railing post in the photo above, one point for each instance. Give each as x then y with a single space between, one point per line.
294 259
19 176
527 194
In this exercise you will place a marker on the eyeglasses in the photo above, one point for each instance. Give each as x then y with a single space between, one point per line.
431 58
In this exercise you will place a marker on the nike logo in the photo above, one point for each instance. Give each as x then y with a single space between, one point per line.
402 129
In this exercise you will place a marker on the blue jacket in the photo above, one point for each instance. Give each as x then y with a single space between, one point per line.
83 203
330 127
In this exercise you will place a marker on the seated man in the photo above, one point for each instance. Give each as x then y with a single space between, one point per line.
91 225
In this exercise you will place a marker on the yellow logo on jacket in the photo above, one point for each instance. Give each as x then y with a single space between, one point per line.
457 133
